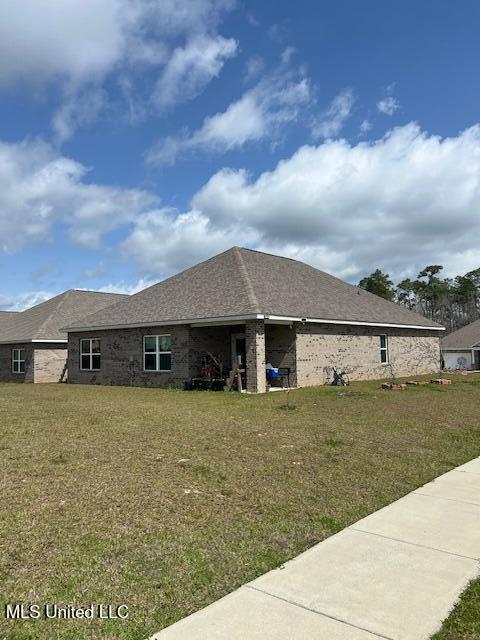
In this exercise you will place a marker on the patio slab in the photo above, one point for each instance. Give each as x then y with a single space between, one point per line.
454 485
394 589
428 521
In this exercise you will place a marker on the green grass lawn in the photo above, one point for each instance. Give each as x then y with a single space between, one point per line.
167 500
464 621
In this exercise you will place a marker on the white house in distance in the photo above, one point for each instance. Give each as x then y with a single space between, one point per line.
461 349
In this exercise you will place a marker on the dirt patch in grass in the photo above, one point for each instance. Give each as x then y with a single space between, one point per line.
166 500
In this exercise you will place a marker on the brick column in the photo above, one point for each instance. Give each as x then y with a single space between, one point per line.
255 356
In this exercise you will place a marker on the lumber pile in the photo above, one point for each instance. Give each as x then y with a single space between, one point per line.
393 387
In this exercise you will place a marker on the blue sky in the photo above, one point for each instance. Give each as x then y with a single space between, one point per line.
138 137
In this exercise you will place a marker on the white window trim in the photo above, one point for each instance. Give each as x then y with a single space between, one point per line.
90 354
18 360
385 348
157 353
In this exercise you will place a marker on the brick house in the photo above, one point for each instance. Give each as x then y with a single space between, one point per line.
461 348
33 346
265 308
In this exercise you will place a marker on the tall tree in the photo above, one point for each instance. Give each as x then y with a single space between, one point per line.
431 290
378 283
406 294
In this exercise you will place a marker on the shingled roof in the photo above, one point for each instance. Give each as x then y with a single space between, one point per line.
464 338
44 321
6 317
243 283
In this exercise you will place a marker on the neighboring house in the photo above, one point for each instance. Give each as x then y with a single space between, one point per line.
461 348
33 347
265 308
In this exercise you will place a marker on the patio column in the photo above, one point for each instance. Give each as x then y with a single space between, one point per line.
255 356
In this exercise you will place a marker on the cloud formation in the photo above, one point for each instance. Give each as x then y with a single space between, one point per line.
332 120
388 104
75 51
39 187
399 202
190 68
256 115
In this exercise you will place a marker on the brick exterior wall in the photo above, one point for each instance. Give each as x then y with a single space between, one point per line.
43 362
356 350
6 373
308 350
122 358
255 356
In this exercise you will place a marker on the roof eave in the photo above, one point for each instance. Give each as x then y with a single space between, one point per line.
256 316
34 340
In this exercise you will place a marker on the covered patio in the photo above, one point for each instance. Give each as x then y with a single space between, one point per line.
254 343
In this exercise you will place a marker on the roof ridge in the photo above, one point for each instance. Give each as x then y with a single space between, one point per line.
63 297
252 298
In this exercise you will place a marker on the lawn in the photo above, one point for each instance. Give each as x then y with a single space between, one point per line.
464 621
167 500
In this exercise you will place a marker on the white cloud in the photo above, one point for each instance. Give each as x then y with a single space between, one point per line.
76 46
127 288
24 300
77 110
43 41
254 67
388 105
365 126
287 55
332 120
190 238
39 187
191 68
400 202
258 114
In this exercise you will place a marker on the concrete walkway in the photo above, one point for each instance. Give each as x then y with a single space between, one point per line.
395 575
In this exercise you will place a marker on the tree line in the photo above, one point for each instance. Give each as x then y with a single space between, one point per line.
452 302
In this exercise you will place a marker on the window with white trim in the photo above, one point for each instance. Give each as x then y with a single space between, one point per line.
384 349
90 356
157 353
18 360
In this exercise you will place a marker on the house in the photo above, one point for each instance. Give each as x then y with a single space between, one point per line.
261 307
33 346
461 348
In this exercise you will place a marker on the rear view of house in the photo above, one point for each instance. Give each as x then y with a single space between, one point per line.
33 346
461 348
265 309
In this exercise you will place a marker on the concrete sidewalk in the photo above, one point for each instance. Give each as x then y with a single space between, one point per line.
395 575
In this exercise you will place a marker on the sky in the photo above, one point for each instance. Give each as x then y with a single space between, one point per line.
139 137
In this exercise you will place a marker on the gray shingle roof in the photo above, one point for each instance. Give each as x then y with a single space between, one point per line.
243 282
6 318
45 321
464 338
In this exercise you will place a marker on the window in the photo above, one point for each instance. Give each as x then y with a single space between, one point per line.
18 360
157 353
384 349
90 354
